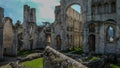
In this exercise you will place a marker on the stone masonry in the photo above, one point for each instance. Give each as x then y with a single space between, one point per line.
55 59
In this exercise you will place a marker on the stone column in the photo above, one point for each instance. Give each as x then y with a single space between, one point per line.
1 33
15 42
26 42
33 15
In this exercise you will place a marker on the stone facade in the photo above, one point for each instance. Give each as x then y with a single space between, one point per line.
19 28
102 27
57 31
74 28
44 36
66 33
30 28
42 40
99 25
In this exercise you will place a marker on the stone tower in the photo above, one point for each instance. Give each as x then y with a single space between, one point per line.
1 32
26 43
29 27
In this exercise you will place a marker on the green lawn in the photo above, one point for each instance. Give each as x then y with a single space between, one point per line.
114 66
36 63
76 50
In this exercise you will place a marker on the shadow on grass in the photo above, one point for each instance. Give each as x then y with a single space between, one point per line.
24 52
73 51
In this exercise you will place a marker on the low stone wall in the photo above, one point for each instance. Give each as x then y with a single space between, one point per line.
55 59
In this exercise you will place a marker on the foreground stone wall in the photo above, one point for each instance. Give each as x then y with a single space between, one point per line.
55 59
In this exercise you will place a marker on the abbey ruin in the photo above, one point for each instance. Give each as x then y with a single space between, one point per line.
95 29
98 30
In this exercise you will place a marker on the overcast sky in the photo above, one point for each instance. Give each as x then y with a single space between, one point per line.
44 9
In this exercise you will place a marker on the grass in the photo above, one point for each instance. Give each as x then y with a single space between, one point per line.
114 65
36 63
94 58
77 50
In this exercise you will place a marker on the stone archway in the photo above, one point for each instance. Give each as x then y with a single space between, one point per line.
91 27
58 42
65 4
91 42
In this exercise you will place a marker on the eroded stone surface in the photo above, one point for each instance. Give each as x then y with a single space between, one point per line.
53 59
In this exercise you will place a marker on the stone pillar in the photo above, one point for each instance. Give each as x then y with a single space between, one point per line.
15 42
26 13
1 33
35 38
34 31
26 42
1 42
33 15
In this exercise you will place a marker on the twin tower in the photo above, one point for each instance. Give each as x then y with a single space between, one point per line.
29 14
30 27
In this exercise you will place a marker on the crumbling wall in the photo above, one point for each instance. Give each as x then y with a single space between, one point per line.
9 38
55 59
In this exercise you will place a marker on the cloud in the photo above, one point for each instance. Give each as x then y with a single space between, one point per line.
44 9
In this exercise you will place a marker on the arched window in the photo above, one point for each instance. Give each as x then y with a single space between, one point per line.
99 9
113 7
58 42
106 8
92 28
93 10
110 34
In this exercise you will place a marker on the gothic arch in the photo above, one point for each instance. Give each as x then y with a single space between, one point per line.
110 30
65 4
91 27
58 42
91 42
106 7
110 34
111 21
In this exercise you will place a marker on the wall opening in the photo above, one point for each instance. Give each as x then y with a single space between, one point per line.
74 26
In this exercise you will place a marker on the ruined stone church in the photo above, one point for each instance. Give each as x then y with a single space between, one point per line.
18 36
95 28
98 30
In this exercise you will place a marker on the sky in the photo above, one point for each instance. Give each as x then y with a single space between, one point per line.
44 9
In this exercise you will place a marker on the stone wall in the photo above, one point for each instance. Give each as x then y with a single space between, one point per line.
9 38
1 32
55 59
74 28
